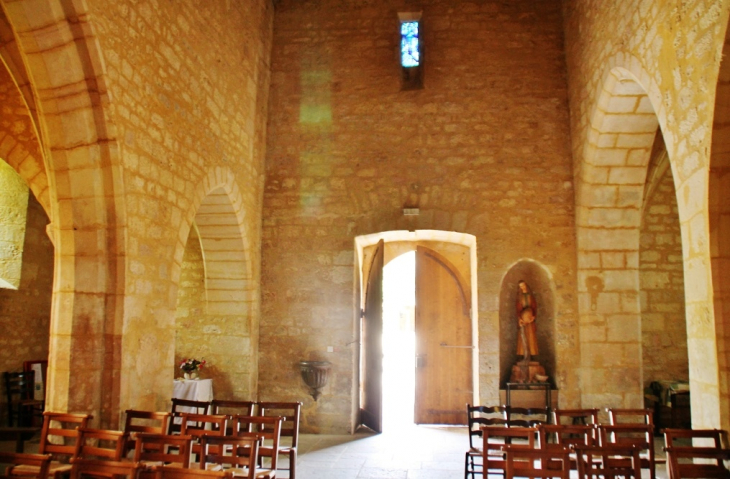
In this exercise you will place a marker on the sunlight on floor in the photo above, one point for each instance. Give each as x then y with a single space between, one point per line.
399 302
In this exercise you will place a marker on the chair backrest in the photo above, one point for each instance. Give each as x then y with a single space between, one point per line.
136 421
167 472
41 461
236 452
576 417
95 467
290 413
100 444
533 463
164 448
267 428
630 416
608 461
639 435
694 437
232 408
527 417
479 416
496 438
558 436
19 385
59 432
180 406
697 462
198 425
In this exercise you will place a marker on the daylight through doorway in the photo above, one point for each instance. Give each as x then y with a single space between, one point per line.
399 340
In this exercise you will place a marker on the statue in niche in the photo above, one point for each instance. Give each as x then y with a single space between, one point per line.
526 314
527 370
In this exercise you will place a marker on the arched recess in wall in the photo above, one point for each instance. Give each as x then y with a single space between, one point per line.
64 89
609 196
216 297
541 284
719 209
661 281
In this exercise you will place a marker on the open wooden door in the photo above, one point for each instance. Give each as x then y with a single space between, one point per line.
371 409
443 341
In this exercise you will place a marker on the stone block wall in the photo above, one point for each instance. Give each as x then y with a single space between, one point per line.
661 278
482 149
25 313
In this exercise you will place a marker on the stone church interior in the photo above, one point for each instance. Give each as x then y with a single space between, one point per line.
231 180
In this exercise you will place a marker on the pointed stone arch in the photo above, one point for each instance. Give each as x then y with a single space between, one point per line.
228 315
609 184
57 47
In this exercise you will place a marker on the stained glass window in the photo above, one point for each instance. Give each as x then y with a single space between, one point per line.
409 53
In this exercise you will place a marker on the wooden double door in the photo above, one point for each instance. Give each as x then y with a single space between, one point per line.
444 383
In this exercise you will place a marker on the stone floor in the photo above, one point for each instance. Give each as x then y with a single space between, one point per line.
411 452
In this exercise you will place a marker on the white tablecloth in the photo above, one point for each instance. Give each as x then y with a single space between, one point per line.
193 389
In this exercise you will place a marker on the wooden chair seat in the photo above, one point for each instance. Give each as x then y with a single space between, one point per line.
290 413
102 468
153 450
37 462
167 472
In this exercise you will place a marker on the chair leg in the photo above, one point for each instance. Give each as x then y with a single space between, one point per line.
292 463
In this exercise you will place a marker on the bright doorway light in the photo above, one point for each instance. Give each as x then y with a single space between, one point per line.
399 341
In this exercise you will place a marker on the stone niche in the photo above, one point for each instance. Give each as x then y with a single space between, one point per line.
538 279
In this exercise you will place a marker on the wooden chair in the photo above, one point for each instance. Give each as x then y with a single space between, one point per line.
478 417
152 450
22 407
697 462
242 460
527 417
232 408
143 421
533 463
630 416
166 472
37 462
494 441
575 417
63 428
180 406
290 413
100 468
638 435
100 444
559 437
198 425
694 437
608 462
268 430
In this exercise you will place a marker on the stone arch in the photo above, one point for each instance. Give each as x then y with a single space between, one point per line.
609 182
226 318
719 222
58 49
609 195
540 281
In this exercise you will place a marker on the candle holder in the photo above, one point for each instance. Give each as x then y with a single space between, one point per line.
315 375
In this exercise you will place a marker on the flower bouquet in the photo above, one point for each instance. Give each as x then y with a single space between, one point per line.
191 366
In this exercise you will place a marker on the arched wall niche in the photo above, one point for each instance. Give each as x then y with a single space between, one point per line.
540 282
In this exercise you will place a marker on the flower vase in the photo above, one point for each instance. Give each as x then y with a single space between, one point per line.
191 375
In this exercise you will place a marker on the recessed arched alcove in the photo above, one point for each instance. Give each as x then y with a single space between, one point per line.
539 281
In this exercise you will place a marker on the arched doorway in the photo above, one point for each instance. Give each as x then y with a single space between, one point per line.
445 265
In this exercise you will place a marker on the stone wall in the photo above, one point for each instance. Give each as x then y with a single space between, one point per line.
189 85
661 278
482 149
25 313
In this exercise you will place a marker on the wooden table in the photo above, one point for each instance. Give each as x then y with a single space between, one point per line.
538 386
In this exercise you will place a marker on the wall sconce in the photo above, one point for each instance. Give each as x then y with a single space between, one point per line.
315 375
